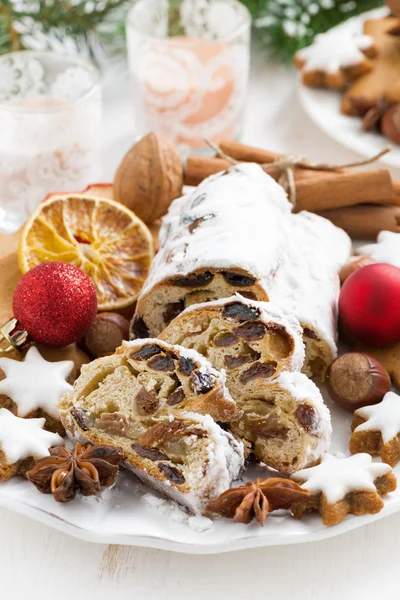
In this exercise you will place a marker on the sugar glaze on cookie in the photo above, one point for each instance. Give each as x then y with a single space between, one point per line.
336 477
23 438
35 383
383 417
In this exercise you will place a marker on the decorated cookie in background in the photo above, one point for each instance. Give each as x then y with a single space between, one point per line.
53 304
333 61
339 486
21 442
386 250
34 386
256 499
369 305
355 379
86 469
382 82
394 6
105 334
376 429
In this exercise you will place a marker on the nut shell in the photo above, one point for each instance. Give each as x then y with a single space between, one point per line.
149 177
105 334
354 265
390 123
355 379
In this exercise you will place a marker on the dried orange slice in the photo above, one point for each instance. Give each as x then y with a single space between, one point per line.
100 236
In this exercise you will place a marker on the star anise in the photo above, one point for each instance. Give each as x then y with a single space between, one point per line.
86 469
257 499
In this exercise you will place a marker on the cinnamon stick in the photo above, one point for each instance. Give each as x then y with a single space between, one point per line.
245 153
346 188
199 167
364 221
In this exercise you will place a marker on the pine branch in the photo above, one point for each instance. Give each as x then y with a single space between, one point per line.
285 26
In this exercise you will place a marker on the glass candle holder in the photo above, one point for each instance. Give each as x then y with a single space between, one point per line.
189 63
50 124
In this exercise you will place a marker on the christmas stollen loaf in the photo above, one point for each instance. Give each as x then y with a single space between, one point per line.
147 399
229 234
308 287
285 423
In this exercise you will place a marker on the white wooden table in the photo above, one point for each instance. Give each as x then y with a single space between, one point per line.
39 563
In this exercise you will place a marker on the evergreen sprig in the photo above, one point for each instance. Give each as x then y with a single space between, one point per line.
284 26
24 22
281 26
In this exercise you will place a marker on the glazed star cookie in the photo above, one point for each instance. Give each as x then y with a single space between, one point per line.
33 387
339 486
376 429
386 249
21 442
333 62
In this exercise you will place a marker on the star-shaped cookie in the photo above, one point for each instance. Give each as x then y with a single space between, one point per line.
338 486
333 60
376 429
24 438
386 249
35 383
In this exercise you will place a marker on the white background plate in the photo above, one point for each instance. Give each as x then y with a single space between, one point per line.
120 517
323 107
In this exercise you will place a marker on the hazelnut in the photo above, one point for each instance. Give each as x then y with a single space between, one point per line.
149 177
355 263
390 123
105 334
355 379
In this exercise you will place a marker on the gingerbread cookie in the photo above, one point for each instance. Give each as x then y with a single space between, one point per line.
382 83
332 61
21 442
33 387
376 429
339 486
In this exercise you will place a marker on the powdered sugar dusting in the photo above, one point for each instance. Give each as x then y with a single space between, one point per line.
226 237
309 285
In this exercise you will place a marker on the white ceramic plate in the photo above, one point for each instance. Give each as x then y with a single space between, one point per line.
323 107
120 517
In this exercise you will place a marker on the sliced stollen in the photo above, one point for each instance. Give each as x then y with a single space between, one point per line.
147 399
308 287
248 339
229 234
285 422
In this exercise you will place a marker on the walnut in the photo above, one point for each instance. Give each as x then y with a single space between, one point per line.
149 177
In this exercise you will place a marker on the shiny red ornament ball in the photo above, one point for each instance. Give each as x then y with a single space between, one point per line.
55 303
369 305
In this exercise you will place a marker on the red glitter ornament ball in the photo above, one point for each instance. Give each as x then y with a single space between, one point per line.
369 305
55 302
